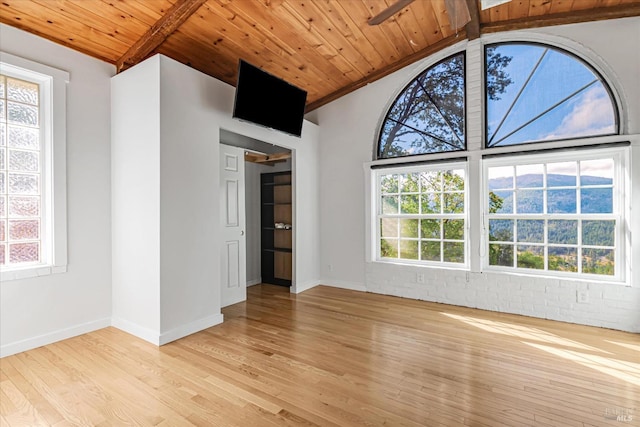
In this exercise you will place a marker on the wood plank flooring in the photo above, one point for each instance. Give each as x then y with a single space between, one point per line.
334 357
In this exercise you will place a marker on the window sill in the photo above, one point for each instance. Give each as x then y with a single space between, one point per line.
30 272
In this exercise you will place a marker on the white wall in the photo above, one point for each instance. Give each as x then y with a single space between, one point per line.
349 131
135 215
41 310
175 284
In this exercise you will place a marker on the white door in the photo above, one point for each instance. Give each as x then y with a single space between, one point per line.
233 252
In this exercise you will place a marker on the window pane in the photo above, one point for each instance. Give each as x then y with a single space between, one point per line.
409 183
430 251
531 257
3 134
596 200
501 230
501 255
453 229
563 232
24 161
24 229
409 228
19 90
453 180
410 204
596 172
3 188
598 233
24 206
430 228
2 158
541 93
24 252
561 174
2 253
501 202
529 201
23 137
2 86
389 204
3 113
22 114
389 248
389 184
409 249
561 201
529 176
431 181
23 184
563 259
530 231
431 202
598 261
3 206
3 231
453 252
389 227
453 203
428 116
501 177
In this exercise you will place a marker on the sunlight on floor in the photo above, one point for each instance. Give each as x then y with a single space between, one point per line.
623 370
626 371
520 331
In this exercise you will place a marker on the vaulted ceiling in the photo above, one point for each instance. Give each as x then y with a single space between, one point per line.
325 47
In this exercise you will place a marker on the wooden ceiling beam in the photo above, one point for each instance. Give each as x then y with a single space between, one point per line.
598 14
473 27
170 21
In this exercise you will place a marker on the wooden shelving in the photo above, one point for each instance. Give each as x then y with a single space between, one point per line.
277 230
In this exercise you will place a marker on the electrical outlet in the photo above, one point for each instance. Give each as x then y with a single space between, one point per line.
420 278
583 297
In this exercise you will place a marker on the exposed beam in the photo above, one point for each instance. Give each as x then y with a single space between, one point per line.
598 14
170 21
473 27
389 12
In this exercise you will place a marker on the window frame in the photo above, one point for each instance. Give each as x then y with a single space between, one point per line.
620 207
52 81
420 167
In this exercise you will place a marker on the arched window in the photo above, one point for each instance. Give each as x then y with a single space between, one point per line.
540 93
429 114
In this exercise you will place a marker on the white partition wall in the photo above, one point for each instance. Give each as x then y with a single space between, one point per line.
166 121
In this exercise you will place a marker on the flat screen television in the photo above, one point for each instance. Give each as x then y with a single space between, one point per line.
267 100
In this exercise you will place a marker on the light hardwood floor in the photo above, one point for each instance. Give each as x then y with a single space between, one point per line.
333 357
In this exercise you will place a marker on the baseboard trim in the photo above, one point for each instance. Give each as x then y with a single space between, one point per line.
301 287
254 282
50 338
344 285
136 330
190 328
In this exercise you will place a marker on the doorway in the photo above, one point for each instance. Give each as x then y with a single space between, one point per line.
260 158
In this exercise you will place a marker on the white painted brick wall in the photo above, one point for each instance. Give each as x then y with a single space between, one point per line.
609 306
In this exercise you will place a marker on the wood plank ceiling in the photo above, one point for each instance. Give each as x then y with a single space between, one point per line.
325 47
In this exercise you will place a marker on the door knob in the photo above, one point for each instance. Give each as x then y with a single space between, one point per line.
242 233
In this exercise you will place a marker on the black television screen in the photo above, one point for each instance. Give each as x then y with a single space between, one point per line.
267 100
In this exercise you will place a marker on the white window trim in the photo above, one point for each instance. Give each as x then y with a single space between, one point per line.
53 108
409 168
621 207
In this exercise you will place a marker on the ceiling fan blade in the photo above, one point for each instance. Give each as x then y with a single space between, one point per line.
389 12
458 12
